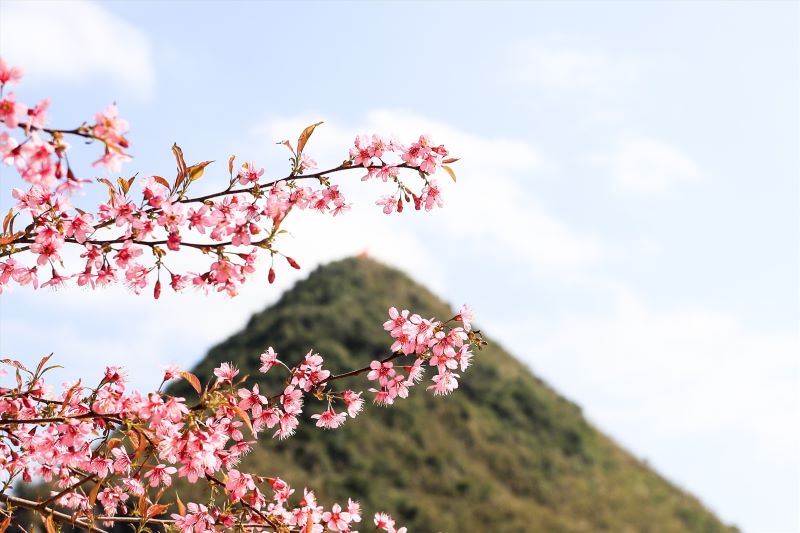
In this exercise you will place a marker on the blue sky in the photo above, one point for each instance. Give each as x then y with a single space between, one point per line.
626 217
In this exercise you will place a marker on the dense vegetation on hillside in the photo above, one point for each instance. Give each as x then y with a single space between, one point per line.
503 453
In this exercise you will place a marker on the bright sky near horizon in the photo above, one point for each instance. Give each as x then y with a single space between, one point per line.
626 219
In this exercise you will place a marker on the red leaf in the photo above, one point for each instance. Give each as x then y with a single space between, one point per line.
193 381
301 142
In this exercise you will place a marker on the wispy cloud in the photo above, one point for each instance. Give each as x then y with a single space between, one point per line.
673 382
76 41
490 206
567 66
648 166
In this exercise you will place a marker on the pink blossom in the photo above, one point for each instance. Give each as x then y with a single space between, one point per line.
134 486
112 160
432 196
249 173
154 192
10 110
362 152
126 254
464 357
200 219
47 244
160 475
337 519
444 383
388 202
136 277
172 215
384 521
466 317
109 127
9 74
383 372
353 401
306 163
292 400
396 320
251 398
268 359
122 461
238 484
38 114
354 508
197 519
329 419
287 426
226 372
79 227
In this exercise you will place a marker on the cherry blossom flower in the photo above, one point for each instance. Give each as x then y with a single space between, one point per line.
249 173
354 402
466 317
336 519
130 439
10 110
330 419
268 359
226 372
160 475
9 74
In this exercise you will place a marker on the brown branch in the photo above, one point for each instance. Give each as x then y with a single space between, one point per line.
27 240
67 519
11 421
352 373
43 505
57 515
270 520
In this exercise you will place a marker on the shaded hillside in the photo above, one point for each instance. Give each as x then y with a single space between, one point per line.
503 453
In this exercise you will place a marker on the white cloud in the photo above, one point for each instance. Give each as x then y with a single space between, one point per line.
648 166
695 389
487 208
560 66
76 41
490 205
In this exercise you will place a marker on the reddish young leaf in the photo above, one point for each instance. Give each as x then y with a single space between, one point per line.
196 171
244 416
7 220
162 181
193 381
304 136
449 171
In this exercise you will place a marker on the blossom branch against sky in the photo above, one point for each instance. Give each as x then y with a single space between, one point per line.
688 288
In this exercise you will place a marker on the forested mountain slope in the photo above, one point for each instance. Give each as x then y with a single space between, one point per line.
505 452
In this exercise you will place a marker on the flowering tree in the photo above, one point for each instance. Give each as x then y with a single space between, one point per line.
109 453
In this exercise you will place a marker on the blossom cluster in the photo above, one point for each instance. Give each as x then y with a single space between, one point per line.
445 349
128 446
132 237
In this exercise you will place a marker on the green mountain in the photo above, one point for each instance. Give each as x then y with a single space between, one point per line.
504 453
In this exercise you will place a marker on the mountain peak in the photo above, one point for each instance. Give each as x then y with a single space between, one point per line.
504 451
